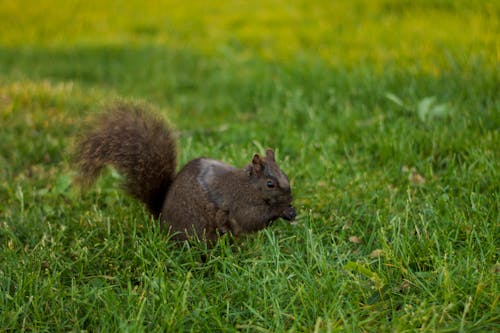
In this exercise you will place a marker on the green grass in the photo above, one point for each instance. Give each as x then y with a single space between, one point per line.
385 115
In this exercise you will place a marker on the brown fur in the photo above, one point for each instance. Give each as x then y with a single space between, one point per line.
206 198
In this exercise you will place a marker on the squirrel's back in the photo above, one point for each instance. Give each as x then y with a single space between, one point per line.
139 145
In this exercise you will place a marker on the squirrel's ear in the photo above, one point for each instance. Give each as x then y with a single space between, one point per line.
270 154
257 164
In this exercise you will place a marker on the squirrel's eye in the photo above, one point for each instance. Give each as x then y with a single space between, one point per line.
270 184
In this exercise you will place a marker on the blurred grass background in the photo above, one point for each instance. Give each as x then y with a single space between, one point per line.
426 35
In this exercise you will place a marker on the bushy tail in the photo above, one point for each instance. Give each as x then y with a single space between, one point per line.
138 145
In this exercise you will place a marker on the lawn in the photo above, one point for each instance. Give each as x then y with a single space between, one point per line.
385 115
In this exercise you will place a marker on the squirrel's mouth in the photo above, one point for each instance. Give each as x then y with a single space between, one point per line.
289 214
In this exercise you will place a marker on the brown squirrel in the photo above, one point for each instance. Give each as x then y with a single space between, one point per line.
205 199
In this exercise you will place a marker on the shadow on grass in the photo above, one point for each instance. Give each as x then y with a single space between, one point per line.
228 80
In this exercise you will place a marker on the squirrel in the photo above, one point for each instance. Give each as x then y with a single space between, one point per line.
205 199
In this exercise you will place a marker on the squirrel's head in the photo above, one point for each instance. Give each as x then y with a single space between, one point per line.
273 186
